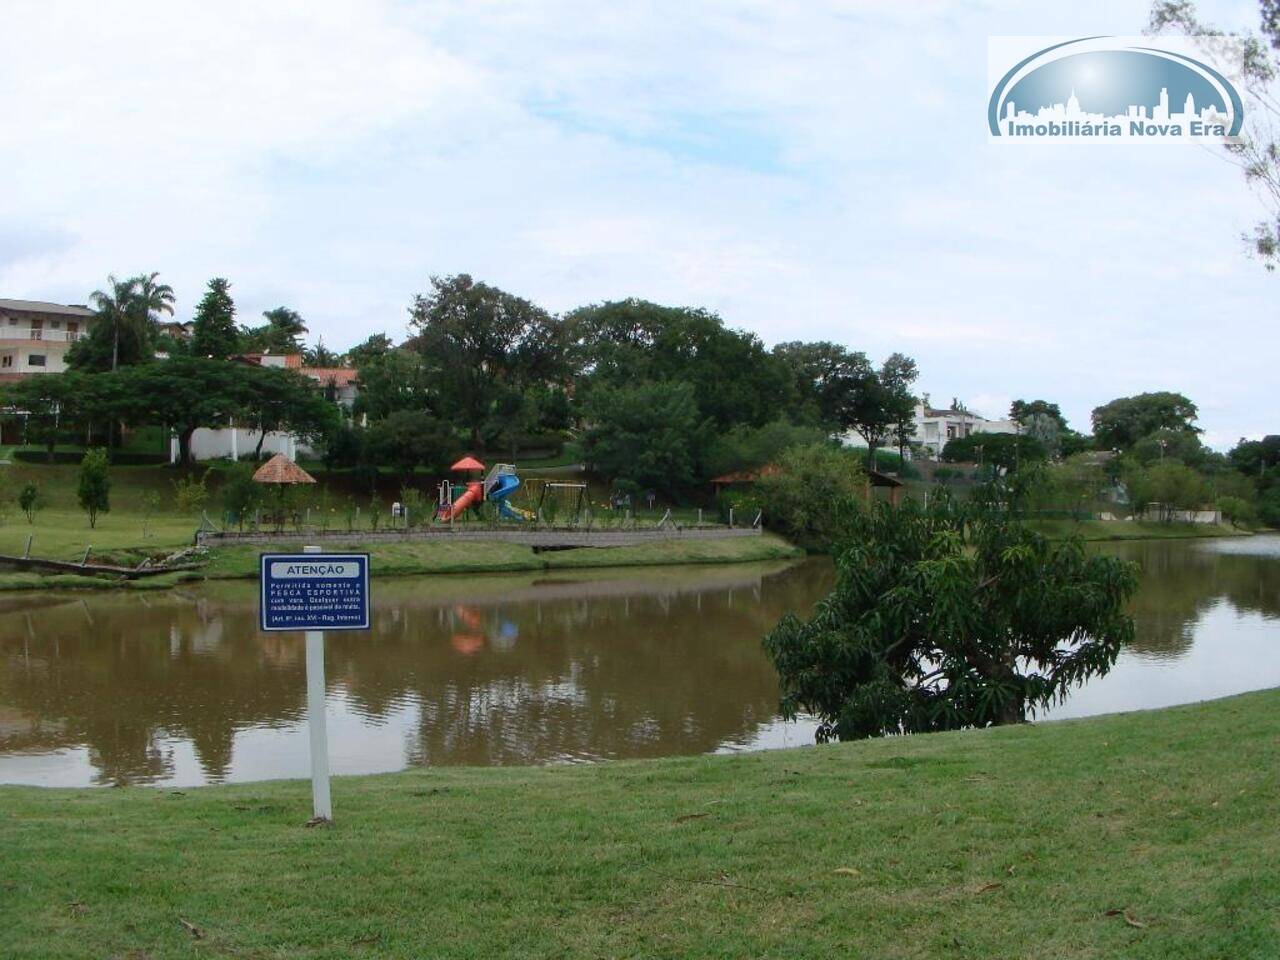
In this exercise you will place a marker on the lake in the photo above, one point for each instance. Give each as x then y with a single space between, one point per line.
179 688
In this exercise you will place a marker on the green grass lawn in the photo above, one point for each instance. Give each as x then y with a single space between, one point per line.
426 557
1061 528
1147 835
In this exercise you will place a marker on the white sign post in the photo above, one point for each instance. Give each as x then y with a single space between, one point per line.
315 592
321 807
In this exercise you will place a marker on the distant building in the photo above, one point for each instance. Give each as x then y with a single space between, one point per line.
935 426
35 336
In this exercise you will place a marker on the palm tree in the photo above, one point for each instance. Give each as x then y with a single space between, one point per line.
154 298
117 305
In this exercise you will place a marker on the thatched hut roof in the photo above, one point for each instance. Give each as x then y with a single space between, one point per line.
280 469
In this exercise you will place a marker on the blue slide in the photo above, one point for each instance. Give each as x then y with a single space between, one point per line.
502 488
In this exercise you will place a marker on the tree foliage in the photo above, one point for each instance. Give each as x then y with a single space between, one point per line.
394 380
812 492
646 435
480 343
878 404
1255 66
822 373
408 439
1170 485
949 616
93 489
214 332
124 331
1004 451
1126 420
743 447
734 378
1021 412
281 334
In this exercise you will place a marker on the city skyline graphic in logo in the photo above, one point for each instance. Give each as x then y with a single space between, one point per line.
1109 89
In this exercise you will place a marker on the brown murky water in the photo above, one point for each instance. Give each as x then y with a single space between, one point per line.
180 688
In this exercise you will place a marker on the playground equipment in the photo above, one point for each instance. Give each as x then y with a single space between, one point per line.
501 482
566 502
554 493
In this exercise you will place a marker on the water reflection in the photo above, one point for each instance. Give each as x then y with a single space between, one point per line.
490 670
181 688
1182 580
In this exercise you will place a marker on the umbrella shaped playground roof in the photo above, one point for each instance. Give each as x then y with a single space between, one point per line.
468 463
280 469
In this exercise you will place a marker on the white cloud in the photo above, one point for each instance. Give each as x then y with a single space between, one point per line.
809 172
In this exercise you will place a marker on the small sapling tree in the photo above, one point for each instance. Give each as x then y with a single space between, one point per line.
30 501
94 488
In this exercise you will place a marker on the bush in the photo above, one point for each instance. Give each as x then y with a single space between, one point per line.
190 493
1237 511
745 448
807 499
241 496
1269 507
744 503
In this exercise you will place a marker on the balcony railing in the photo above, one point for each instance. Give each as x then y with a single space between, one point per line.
40 333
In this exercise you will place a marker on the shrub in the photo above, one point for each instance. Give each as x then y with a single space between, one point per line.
744 503
30 502
94 488
241 496
190 493
1236 510
806 498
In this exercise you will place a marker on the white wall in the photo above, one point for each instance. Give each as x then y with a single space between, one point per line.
216 444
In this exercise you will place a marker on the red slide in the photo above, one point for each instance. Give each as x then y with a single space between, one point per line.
474 494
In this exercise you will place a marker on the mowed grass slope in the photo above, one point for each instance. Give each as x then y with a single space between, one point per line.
1149 835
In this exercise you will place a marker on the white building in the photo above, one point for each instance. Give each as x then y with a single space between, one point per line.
35 336
934 427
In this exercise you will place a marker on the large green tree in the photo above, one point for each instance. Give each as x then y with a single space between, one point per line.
408 439
59 405
1126 420
275 398
282 333
1021 412
392 381
734 378
124 330
949 616
878 404
821 374
481 343
214 333
646 435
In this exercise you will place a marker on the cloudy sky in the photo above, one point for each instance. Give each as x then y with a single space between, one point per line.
816 171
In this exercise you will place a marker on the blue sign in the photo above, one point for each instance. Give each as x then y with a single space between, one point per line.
314 591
